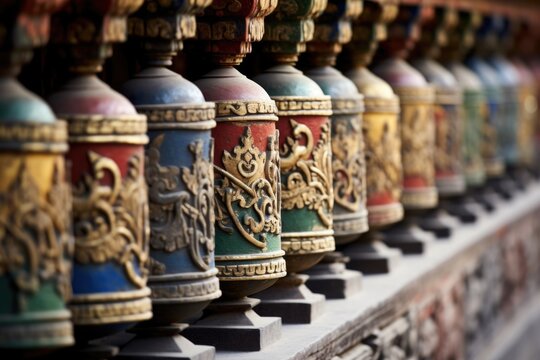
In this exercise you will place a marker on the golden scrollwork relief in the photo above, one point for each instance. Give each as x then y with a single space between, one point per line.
418 142
35 233
181 218
307 172
383 157
110 221
247 191
348 164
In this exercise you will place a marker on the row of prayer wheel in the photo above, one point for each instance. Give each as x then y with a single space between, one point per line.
166 202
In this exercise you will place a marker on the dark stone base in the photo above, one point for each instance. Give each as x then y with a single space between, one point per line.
85 352
371 256
331 278
291 300
438 222
505 187
233 325
164 343
487 197
465 208
408 237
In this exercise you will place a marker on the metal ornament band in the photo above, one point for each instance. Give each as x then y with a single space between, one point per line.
126 129
112 312
291 106
188 292
261 270
309 242
184 116
33 137
381 105
246 111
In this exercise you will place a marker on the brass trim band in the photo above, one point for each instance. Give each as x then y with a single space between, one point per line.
348 106
247 257
189 276
34 137
246 111
416 95
273 269
310 245
419 199
106 297
448 97
450 185
307 234
53 334
381 215
381 105
129 129
186 293
170 114
126 311
299 105
348 224
203 125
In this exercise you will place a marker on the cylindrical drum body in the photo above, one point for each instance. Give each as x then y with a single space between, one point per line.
449 175
306 165
527 114
494 123
247 183
350 217
35 214
508 138
416 99
110 207
474 116
382 140
180 178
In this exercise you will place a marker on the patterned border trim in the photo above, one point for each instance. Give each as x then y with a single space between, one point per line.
309 245
186 293
260 271
36 335
448 97
348 106
100 129
382 105
291 105
351 225
34 136
419 95
250 257
381 215
246 110
117 312
419 199
104 297
177 115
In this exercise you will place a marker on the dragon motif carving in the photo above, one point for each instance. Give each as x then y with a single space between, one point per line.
110 221
307 172
348 165
247 190
35 239
181 218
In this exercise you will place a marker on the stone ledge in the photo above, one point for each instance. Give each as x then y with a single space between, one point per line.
385 298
